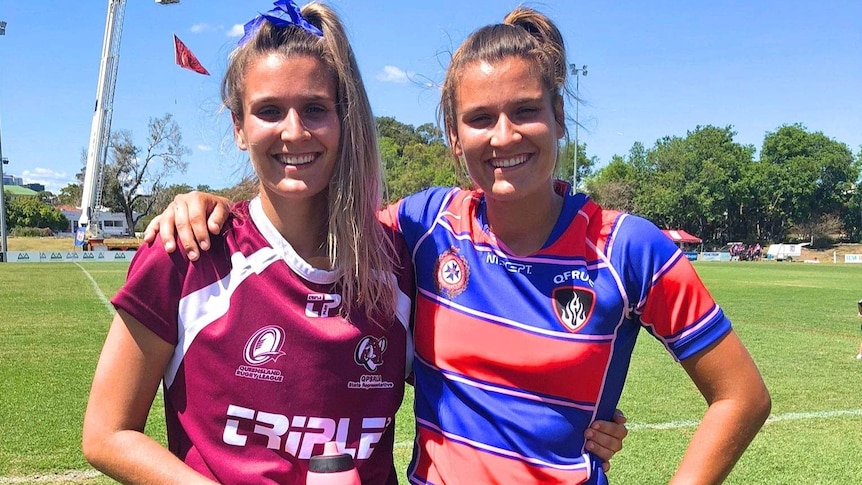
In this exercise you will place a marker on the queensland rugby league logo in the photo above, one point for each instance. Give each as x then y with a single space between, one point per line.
264 346
573 306
451 273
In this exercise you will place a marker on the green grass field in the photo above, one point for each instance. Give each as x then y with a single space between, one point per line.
799 322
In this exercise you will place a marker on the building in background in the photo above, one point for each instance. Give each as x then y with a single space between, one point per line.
112 224
12 180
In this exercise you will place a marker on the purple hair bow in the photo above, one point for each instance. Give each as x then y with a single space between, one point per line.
285 13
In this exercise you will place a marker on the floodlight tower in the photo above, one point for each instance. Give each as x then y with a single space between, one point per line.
577 72
3 249
100 131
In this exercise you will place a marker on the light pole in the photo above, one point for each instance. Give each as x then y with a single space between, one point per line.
3 249
577 72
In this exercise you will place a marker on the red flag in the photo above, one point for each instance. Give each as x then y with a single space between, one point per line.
186 59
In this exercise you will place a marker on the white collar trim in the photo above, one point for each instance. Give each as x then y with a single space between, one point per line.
286 251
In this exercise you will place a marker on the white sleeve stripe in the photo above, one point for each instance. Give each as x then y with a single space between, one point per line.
200 308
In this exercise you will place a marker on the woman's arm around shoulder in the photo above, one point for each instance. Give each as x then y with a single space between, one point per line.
191 217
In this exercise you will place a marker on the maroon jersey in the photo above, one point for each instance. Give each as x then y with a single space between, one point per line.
265 369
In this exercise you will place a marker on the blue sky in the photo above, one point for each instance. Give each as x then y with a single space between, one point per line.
654 69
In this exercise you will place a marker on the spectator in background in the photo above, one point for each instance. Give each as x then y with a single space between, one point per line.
859 305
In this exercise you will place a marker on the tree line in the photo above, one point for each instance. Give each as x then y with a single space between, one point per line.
801 186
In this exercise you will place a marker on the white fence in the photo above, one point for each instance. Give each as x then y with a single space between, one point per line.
69 256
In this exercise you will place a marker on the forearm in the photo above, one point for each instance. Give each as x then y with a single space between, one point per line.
126 380
132 457
724 433
738 405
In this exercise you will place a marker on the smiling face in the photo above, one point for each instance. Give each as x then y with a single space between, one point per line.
506 129
290 125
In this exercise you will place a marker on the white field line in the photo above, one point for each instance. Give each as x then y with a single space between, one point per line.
53 478
84 475
775 418
99 293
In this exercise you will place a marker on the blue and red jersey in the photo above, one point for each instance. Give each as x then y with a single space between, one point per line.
517 355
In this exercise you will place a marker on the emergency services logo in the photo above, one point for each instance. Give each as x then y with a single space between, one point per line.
262 347
573 306
451 273
369 354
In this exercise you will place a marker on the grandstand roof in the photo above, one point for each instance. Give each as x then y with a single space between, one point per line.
18 190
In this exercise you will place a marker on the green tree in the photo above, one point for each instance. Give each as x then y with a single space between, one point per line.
414 158
851 215
428 134
32 212
697 183
70 194
390 154
614 185
566 161
246 189
420 167
136 175
402 134
806 177
47 197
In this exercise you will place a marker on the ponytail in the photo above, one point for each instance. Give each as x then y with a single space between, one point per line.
357 245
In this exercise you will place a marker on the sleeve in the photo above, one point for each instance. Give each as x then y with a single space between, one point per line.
415 214
406 294
388 216
153 288
671 300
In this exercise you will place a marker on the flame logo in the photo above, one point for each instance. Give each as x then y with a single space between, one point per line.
573 307
573 314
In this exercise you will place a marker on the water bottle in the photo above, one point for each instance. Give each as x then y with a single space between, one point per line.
332 468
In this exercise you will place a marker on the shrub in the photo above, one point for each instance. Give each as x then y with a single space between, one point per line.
31 232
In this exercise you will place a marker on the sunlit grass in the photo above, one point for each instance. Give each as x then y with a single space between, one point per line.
799 322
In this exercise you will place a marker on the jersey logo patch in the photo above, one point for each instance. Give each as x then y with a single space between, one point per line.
369 352
451 273
321 304
262 347
573 306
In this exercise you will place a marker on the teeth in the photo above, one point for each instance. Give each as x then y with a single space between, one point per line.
508 162
295 160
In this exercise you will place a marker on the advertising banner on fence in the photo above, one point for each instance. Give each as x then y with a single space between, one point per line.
715 256
69 256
